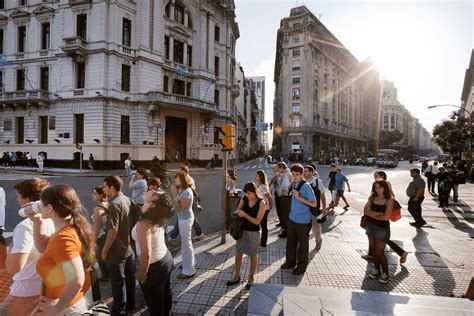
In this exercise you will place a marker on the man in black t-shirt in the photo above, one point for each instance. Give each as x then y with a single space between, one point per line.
332 183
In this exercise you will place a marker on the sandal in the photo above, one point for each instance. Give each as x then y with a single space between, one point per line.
403 257
230 282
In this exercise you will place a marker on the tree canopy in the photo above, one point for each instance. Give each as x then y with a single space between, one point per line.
452 134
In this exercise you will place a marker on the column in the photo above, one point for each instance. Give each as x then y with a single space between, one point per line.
185 53
171 46
186 13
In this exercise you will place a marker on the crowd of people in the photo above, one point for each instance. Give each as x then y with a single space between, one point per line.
57 250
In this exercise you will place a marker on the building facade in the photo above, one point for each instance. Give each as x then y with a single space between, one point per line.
259 88
327 103
141 78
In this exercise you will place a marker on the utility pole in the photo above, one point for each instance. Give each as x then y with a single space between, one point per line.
224 197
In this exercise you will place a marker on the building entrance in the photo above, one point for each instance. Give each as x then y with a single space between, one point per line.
175 139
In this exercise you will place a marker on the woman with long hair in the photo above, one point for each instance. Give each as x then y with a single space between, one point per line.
264 192
156 262
183 201
67 254
379 208
381 175
99 220
251 210
138 185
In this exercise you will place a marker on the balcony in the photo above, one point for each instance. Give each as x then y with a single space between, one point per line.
75 47
180 102
173 65
26 96
77 2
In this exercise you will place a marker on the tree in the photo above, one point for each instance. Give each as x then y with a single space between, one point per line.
388 138
452 134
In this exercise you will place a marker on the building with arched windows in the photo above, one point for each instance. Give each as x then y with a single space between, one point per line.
141 78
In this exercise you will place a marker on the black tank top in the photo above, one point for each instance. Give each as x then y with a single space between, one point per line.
379 209
251 211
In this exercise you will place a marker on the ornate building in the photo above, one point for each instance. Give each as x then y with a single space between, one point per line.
141 78
327 103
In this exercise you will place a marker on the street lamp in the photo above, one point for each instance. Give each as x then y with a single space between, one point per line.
469 161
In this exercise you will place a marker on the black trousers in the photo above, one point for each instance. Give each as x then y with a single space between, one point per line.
264 226
277 205
285 206
297 244
444 197
157 287
431 184
398 250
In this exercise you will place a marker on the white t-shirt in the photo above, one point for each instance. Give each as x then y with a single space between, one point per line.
320 184
264 190
3 202
158 245
193 185
27 282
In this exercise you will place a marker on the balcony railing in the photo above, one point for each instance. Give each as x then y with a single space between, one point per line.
24 96
74 46
180 100
174 65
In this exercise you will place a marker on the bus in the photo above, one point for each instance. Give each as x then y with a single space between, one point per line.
387 158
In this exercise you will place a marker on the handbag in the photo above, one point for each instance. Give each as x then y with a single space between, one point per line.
236 227
363 221
197 207
98 307
397 212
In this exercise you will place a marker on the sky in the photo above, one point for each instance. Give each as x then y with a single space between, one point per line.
422 46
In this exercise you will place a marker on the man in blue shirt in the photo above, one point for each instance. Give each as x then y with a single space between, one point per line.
299 222
340 179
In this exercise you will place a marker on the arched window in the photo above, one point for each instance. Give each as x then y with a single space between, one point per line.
167 9
190 21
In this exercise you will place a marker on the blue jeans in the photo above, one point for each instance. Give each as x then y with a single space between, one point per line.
196 226
122 282
157 288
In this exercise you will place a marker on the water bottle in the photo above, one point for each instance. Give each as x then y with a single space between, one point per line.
30 209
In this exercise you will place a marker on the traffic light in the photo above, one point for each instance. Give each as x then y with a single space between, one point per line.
228 141
78 146
271 126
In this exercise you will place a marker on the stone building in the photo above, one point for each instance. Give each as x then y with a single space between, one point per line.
123 77
259 88
327 103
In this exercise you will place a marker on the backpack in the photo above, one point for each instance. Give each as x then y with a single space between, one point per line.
134 214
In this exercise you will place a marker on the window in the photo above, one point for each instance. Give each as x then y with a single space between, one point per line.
20 80
296 122
78 128
81 26
190 56
296 52
179 13
126 78
296 79
80 75
1 80
296 38
7 125
45 35
43 130
217 33
188 89
167 9
178 55
44 78
179 87
21 39
296 93
126 32
216 97
2 4
165 83
22 2
216 66
1 41
295 108
296 64
20 130
190 21
167 47
125 130
52 123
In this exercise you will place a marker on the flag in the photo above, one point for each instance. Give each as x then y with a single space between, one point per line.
181 71
3 62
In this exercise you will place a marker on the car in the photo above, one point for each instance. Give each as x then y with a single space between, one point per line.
370 161
359 162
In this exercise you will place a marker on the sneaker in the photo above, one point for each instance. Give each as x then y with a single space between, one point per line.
374 274
384 278
367 257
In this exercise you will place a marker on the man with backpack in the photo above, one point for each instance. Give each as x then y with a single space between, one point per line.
299 222
117 252
319 192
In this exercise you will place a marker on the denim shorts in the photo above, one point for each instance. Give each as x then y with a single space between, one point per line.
378 232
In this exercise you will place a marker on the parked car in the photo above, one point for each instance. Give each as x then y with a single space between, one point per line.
370 161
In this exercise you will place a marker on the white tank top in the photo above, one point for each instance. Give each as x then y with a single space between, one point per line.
158 245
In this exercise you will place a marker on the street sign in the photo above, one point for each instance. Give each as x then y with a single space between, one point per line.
469 142
261 127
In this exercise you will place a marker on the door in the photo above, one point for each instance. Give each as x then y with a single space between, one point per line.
175 139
